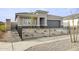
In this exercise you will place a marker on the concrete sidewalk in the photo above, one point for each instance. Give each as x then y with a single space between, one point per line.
24 45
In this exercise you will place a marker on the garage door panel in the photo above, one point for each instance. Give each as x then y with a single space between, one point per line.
53 23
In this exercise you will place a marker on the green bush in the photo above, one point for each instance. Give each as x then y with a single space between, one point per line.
2 27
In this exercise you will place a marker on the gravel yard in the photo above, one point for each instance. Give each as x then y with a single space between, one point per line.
10 36
41 32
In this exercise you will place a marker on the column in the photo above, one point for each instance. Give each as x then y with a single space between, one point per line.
61 23
8 24
45 21
38 21
18 21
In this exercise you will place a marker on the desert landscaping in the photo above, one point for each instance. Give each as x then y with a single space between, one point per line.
39 31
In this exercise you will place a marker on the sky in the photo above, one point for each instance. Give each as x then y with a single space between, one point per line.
9 13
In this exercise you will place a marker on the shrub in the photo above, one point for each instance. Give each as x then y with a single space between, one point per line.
2 27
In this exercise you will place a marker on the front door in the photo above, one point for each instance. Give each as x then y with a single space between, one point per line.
42 21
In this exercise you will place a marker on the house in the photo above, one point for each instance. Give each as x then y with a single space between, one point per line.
38 18
42 19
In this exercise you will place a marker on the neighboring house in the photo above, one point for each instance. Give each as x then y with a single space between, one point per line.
38 18
1 23
69 18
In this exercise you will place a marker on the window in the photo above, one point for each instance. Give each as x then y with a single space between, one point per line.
26 17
